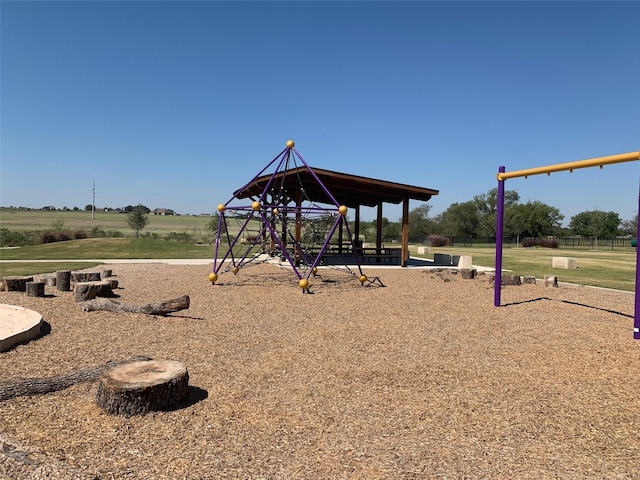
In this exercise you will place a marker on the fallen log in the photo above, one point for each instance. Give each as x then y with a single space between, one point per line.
155 308
59 382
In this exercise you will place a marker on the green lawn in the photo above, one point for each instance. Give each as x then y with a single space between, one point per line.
600 268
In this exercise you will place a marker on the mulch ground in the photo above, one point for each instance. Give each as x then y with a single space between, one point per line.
421 378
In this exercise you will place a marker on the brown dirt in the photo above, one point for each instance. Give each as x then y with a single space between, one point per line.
423 378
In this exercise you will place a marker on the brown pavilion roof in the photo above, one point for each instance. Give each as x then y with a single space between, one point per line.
349 190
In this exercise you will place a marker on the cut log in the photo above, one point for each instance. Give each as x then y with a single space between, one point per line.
468 273
141 387
156 308
113 282
85 276
35 289
84 291
103 289
551 281
48 279
16 284
105 273
529 279
63 280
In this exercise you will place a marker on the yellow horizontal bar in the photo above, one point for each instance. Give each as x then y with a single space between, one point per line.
559 167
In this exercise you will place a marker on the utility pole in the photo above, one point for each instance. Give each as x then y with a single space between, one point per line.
93 202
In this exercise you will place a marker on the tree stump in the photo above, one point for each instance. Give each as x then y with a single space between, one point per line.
140 387
48 279
103 289
468 273
16 284
105 273
529 279
63 280
84 291
35 289
85 276
551 281
113 282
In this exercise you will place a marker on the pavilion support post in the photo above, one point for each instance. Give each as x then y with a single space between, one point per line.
356 231
405 232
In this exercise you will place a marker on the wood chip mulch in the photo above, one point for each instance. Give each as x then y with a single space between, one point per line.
422 378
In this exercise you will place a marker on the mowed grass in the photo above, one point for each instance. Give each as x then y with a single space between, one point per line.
94 248
16 219
598 268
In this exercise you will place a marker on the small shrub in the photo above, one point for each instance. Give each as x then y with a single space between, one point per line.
80 234
48 236
97 232
438 241
182 237
540 242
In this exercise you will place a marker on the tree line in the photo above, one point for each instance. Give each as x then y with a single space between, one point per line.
476 218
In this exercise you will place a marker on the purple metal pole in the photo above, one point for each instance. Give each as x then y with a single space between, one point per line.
636 314
497 282
326 191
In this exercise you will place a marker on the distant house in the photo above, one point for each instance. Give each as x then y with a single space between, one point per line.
49 207
162 211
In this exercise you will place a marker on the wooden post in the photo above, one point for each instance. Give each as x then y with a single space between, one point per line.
405 232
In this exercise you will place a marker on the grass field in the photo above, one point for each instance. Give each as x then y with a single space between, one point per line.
17 219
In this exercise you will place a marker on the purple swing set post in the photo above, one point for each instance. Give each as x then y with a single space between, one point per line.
269 214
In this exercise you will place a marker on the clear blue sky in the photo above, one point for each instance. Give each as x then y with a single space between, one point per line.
177 104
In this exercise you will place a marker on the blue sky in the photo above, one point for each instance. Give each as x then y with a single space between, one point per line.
177 104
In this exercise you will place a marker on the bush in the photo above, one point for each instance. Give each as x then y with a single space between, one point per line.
183 237
540 242
438 241
80 234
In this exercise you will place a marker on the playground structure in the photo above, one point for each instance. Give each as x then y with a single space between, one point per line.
281 221
571 166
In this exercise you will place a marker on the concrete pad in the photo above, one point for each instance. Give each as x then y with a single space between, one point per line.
17 325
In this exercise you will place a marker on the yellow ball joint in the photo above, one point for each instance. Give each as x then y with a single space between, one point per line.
213 277
314 270
343 210
303 284
221 208
291 144
235 270
362 278
255 206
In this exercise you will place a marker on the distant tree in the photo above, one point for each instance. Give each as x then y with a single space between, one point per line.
460 219
630 227
532 219
76 209
487 205
138 218
88 207
212 224
595 224
420 226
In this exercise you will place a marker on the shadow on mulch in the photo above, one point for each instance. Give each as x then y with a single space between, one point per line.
196 395
570 303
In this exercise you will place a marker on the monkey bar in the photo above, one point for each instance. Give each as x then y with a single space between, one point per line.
559 167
